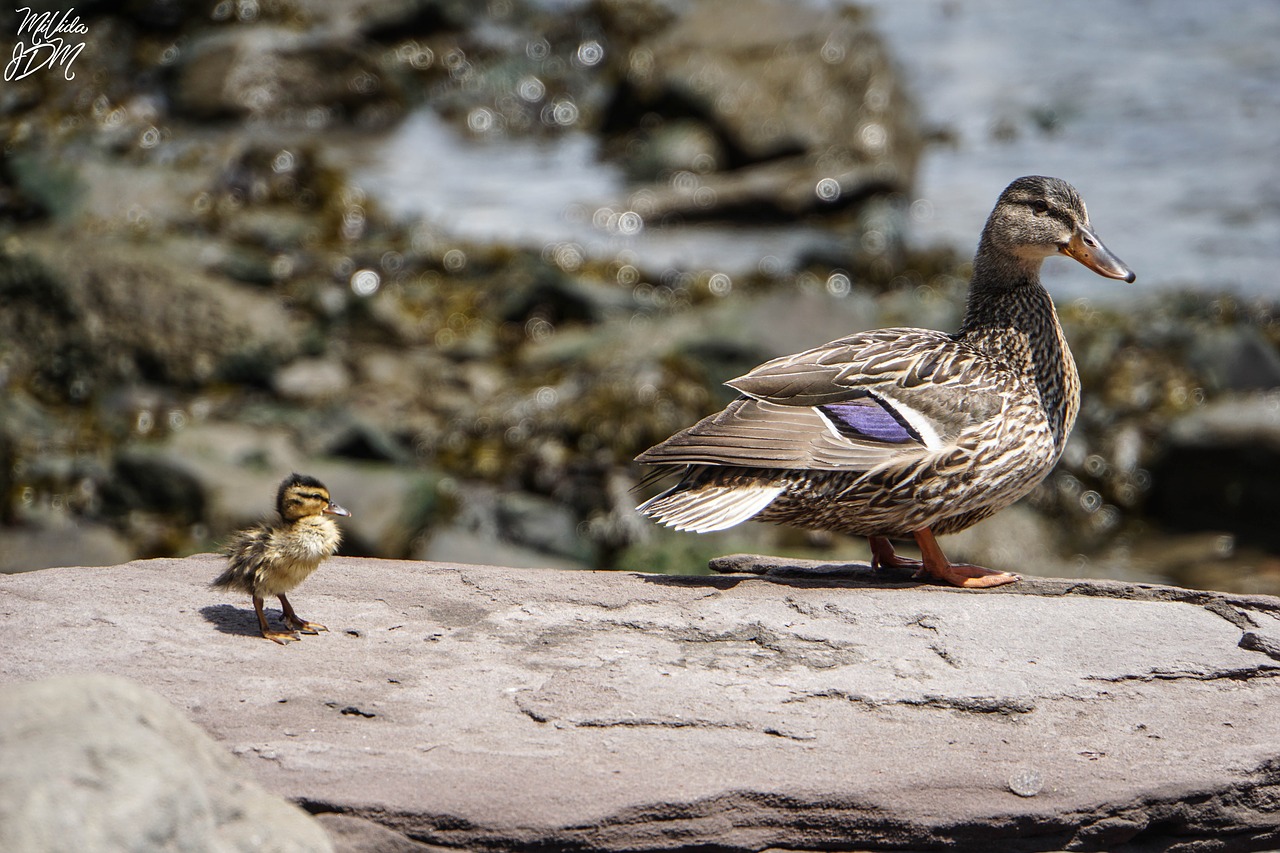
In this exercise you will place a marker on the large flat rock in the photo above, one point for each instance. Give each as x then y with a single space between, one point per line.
788 705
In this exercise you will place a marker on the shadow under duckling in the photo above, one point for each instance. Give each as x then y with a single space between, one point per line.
273 557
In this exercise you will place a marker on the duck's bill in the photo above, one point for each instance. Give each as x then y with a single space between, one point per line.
334 509
1086 248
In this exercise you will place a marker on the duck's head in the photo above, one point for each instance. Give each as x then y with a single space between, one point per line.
301 496
1036 217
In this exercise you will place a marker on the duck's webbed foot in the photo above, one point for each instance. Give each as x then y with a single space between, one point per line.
936 566
969 576
296 622
883 556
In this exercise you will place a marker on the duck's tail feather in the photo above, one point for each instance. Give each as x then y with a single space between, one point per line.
704 509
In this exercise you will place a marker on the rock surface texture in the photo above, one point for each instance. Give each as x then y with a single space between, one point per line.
100 763
787 705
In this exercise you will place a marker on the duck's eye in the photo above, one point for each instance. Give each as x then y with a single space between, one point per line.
1040 207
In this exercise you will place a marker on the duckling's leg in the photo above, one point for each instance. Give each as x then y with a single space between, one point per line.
280 637
936 565
296 622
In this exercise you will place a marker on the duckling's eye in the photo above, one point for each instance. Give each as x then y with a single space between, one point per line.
1040 207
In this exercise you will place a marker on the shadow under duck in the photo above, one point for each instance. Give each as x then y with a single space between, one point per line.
906 433
273 557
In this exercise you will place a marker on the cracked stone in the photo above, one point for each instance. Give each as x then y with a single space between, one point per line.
790 705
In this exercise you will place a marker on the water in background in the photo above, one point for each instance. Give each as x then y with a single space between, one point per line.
1165 115
534 192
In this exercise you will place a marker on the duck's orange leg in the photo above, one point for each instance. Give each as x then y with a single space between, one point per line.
883 555
937 566
297 623
280 637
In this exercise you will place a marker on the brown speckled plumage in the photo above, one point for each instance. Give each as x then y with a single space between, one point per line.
902 432
273 557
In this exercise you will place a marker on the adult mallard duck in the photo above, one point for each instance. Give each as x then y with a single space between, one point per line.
899 433
273 557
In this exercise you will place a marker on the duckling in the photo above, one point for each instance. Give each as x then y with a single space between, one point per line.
898 433
273 557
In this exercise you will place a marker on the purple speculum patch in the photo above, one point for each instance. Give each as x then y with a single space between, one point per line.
868 418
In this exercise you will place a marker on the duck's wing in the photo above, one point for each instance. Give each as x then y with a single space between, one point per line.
859 403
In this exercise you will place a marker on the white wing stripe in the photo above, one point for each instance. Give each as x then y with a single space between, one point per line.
703 510
918 421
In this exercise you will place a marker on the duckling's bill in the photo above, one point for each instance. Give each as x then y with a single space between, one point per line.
334 509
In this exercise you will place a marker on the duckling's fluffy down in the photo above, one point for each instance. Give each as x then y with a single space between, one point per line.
269 560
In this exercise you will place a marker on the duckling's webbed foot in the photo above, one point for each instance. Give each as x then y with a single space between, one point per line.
302 626
281 637
296 622
936 566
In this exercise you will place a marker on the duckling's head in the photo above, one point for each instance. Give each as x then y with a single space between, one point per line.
1036 217
301 496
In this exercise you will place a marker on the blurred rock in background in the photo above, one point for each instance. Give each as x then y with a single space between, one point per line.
462 262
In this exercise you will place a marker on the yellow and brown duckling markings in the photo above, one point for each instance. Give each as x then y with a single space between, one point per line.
273 557
906 433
